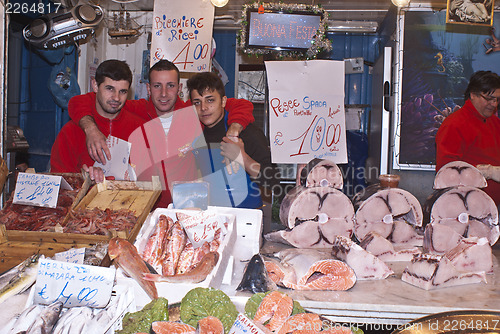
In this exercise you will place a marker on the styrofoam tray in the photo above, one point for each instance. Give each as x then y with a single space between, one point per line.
174 292
248 231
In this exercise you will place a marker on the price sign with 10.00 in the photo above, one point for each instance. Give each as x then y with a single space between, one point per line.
307 118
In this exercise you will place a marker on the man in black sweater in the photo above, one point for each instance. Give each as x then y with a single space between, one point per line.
250 149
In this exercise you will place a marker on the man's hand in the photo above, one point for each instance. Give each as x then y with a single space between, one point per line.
233 132
95 140
95 173
490 172
231 150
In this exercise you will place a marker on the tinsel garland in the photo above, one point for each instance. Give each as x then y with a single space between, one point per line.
319 43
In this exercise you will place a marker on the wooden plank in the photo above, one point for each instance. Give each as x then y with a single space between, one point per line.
54 237
102 200
141 201
123 200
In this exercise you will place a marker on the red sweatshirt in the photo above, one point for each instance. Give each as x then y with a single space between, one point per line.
69 152
467 136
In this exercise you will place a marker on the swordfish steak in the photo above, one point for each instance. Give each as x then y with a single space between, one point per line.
366 266
313 217
393 213
459 173
469 211
321 173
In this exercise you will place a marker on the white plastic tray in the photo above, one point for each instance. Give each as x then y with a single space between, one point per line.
174 292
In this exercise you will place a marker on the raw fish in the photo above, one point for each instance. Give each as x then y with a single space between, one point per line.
255 277
126 257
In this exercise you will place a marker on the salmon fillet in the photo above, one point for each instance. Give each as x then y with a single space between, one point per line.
170 327
275 307
210 325
303 323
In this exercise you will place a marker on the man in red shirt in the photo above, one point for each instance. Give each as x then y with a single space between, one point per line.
472 133
161 145
111 86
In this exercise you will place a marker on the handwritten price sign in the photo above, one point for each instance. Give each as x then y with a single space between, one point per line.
73 284
182 33
307 118
201 228
38 189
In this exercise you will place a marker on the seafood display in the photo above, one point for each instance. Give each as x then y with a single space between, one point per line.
393 213
56 319
321 173
467 263
35 218
459 173
171 253
275 312
100 222
313 217
310 269
20 278
366 266
125 255
467 210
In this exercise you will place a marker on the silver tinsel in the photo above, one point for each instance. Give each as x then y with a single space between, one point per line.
319 44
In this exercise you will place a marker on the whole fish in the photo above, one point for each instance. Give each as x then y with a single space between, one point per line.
22 322
24 277
126 257
196 275
255 277
47 319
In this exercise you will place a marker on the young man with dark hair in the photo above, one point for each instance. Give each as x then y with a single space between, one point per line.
250 149
107 106
472 133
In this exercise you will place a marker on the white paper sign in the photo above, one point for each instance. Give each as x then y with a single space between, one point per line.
73 255
118 166
201 227
38 189
243 324
306 111
73 284
182 33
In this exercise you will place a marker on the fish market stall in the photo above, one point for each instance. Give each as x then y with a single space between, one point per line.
387 301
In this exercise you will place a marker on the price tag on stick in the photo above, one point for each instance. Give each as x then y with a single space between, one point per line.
73 284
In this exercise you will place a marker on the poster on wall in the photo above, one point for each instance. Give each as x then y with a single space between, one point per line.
182 33
438 61
478 12
306 111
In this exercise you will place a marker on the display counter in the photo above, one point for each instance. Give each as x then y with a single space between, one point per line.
389 301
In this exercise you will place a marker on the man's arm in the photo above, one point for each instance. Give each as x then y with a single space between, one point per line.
240 115
80 109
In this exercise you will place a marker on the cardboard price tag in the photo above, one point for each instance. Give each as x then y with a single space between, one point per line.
38 189
243 324
201 228
73 255
73 284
